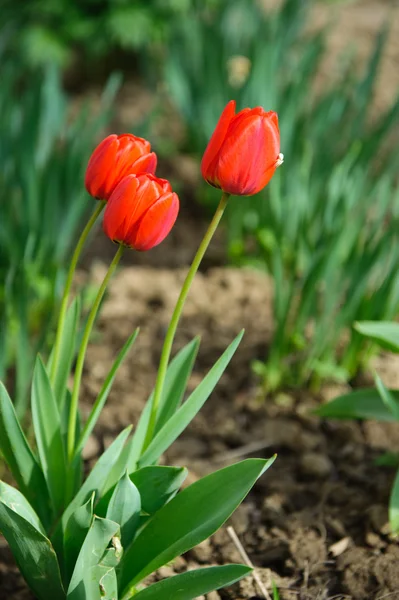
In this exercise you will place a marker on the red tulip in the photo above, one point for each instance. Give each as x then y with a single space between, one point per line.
141 212
113 159
243 152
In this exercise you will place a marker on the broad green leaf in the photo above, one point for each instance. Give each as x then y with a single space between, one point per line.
394 506
47 427
20 458
13 498
176 381
361 404
104 392
192 584
124 508
60 372
98 476
179 421
387 397
104 582
385 333
156 485
33 553
189 518
75 532
83 585
142 426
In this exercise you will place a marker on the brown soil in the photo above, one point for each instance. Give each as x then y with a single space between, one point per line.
316 522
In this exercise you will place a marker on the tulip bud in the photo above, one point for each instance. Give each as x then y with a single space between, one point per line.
141 212
114 158
243 152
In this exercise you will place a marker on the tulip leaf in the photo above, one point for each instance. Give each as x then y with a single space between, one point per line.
83 585
104 392
13 498
394 506
387 397
47 427
193 584
20 458
178 372
156 485
124 508
360 404
60 372
75 532
385 333
189 518
97 478
179 421
176 382
33 553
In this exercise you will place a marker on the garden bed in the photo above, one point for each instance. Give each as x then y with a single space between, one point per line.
316 522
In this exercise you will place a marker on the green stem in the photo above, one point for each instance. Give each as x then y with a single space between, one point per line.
82 352
67 289
170 334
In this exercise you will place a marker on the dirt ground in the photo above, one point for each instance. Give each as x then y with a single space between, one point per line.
316 523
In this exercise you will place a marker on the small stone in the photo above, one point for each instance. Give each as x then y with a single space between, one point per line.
316 465
340 546
374 540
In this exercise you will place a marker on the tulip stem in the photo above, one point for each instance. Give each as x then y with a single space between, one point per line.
67 289
82 352
170 334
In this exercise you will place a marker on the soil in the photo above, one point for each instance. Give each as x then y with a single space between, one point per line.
316 523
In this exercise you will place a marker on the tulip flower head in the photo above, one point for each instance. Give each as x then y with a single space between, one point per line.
141 212
114 158
243 152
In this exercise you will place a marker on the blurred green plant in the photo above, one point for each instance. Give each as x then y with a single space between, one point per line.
63 31
43 153
379 404
325 228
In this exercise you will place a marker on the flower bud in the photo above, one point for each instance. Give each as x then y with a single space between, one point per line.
243 152
114 158
141 212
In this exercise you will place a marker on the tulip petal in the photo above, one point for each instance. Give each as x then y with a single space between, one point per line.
119 208
218 137
146 164
157 222
251 148
101 166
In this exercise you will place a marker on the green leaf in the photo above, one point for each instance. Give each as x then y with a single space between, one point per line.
124 508
189 518
176 365
97 478
387 397
33 553
156 485
385 333
13 498
192 584
83 584
67 352
179 421
394 506
19 457
176 381
47 427
75 532
361 404
104 392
